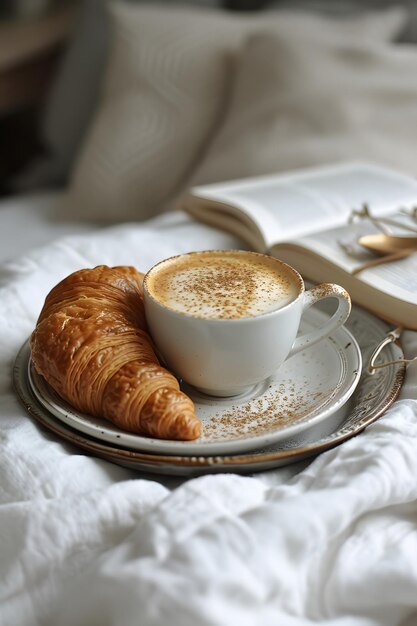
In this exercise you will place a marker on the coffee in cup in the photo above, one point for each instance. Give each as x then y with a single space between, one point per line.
223 284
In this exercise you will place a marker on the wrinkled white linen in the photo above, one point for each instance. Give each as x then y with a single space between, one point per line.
89 543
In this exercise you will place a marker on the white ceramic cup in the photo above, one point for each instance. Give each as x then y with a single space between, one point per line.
225 357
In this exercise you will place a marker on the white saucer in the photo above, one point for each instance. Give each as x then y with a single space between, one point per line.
308 389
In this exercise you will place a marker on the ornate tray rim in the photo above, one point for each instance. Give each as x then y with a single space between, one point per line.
194 465
340 345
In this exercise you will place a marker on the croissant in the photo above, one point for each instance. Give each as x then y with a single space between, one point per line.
92 346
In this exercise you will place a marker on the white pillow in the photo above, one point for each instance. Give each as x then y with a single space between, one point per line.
166 89
303 103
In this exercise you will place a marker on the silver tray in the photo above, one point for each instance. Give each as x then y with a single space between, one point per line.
309 389
373 395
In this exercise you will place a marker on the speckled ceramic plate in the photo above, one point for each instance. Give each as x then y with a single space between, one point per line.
371 398
308 389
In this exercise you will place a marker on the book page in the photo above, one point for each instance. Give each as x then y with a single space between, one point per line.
286 206
340 247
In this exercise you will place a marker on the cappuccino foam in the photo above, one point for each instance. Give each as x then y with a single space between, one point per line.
223 284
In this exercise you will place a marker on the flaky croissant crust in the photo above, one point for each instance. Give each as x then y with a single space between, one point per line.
92 345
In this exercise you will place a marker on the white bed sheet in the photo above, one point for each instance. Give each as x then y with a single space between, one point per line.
32 220
86 542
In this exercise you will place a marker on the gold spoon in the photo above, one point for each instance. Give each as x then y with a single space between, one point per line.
390 247
388 244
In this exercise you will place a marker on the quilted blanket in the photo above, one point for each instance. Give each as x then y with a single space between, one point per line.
82 541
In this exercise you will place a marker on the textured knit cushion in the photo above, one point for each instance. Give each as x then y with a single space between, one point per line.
297 104
166 89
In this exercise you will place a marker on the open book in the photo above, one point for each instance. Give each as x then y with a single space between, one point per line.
304 218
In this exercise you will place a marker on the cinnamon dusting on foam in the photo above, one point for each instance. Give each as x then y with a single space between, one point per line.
223 284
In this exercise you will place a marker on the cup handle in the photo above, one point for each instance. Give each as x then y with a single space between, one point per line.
321 292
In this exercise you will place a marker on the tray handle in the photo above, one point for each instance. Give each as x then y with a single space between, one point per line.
392 336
